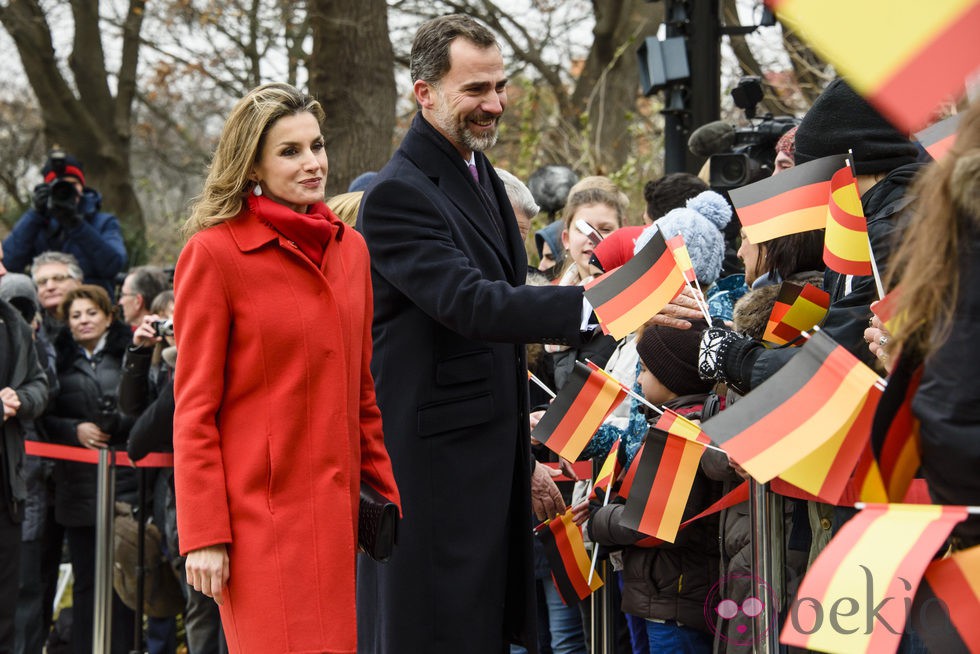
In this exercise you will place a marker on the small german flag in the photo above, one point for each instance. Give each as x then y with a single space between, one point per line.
660 490
906 64
937 139
586 399
682 257
608 472
866 480
567 558
875 560
797 309
787 417
793 201
895 431
674 423
826 472
628 296
846 248
945 610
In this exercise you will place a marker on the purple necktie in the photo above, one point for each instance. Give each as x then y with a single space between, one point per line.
473 171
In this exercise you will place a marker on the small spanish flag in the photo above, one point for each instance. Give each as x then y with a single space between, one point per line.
905 58
826 472
791 414
628 296
885 308
792 202
895 431
946 608
567 558
586 399
866 578
608 472
797 309
937 139
674 423
846 248
682 257
660 490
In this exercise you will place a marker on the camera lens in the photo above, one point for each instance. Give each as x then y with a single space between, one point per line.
64 195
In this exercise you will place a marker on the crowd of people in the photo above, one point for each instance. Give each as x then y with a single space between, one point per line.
383 338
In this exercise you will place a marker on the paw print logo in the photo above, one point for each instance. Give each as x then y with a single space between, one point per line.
735 609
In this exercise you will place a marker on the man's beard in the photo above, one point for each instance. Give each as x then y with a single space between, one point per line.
458 131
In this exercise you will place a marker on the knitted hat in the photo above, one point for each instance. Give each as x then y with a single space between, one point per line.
617 248
73 168
701 223
20 291
671 355
787 142
840 120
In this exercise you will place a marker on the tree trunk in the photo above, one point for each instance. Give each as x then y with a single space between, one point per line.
359 95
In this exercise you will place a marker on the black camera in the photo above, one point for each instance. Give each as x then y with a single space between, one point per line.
164 327
108 420
63 198
742 155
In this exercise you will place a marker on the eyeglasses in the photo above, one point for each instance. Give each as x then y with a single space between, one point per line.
41 281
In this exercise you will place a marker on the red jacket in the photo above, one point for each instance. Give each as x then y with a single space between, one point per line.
275 425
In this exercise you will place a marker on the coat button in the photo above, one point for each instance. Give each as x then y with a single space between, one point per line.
825 524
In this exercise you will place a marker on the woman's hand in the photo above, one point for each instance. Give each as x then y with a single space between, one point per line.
877 337
145 335
208 571
89 435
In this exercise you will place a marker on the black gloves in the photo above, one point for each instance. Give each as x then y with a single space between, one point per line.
727 356
41 194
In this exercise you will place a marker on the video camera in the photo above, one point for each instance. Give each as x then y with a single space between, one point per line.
741 155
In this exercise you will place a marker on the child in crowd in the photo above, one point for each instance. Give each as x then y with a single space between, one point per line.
667 585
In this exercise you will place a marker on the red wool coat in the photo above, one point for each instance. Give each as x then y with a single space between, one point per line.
275 426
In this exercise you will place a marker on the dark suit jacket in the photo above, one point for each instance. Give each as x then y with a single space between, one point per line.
452 316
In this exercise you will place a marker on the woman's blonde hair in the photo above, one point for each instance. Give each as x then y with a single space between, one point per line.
239 149
346 206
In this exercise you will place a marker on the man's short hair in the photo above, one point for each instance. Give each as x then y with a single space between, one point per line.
147 282
671 192
52 256
429 60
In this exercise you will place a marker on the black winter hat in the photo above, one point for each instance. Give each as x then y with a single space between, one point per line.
840 120
671 355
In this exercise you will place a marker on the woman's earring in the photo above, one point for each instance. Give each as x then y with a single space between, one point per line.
257 190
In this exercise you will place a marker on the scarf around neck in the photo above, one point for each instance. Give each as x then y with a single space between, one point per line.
310 232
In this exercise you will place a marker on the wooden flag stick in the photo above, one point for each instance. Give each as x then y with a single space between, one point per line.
972 510
541 384
595 551
871 251
699 298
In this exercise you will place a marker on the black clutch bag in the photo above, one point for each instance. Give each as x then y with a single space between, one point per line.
377 525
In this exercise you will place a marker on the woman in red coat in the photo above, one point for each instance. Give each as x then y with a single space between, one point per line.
276 422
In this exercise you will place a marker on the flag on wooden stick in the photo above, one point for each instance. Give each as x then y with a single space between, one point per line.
628 296
608 472
886 307
846 247
789 203
905 59
797 309
869 570
567 558
674 423
586 399
787 417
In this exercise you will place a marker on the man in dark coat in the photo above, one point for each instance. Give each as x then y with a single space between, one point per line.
23 395
452 315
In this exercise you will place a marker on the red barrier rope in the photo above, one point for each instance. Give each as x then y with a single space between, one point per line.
83 455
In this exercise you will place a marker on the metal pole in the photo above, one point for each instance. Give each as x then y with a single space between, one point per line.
105 512
766 639
608 614
140 562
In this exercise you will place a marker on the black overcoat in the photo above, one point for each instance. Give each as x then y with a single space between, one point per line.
451 319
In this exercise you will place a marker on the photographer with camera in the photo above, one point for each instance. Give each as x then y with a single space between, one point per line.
85 412
66 217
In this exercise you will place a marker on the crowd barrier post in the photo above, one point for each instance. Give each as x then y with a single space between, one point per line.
766 640
105 512
138 644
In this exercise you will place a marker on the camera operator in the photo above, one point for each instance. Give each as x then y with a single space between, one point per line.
66 217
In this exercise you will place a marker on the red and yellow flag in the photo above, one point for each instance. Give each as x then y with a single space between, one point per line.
885 308
947 606
627 485
567 558
866 577
937 139
674 423
797 309
905 58
866 481
662 484
608 472
789 203
895 431
846 248
586 399
794 412
826 472
628 296
682 257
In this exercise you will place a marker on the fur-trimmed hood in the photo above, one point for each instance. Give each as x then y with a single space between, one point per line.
118 338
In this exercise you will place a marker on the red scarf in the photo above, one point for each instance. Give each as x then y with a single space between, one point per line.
309 232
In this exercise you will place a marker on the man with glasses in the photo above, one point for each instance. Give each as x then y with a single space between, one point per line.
139 289
55 273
